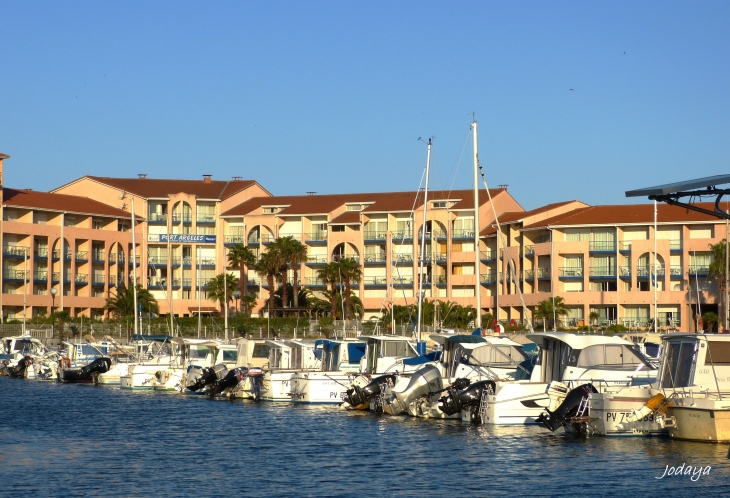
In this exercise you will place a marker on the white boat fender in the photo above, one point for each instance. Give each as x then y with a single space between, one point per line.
656 404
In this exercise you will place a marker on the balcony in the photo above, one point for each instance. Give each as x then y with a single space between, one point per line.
254 240
187 283
543 274
135 260
340 257
440 280
647 271
254 282
16 251
81 279
157 218
157 283
176 260
41 253
14 275
267 239
488 278
373 235
401 281
314 282
402 235
315 238
97 257
55 277
529 275
82 256
187 219
375 281
624 271
40 276
570 273
624 246
462 234
488 256
98 280
599 246
187 260
234 240
402 259
529 251
699 270
602 272
440 235
375 259
203 262
675 246
317 260
440 257
157 260
675 272
176 283
205 219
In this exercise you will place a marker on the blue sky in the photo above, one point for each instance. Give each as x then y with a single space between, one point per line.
332 96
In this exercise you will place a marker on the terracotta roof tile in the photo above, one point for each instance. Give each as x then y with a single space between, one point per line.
4 156
155 187
516 216
59 202
626 214
347 218
379 202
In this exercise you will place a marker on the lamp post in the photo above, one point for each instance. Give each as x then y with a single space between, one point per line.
237 296
54 291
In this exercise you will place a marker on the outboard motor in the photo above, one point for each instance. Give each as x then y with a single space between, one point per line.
256 378
232 378
18 371
87 373
209 375
425 382
553 420
458 400
357 395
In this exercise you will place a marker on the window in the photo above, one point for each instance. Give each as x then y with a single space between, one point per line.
338 228
397 348
40 218
97 224
201 230
576 235
717 353
260 351
678 362
230 356
354 207
69 221
700 232
271 210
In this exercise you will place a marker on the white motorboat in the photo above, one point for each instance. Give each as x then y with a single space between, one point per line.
146 351
253 354
340 363
17 349
565 361
287 359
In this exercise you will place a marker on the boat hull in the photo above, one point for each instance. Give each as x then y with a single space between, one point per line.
320 388
695 423
278 386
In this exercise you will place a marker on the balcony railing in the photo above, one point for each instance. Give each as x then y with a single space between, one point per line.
40 276
176 260
97 256
81 278
318 259
624 246
529 274
439 256
529 250
254 239
488 278
56 276
157 260
98 279
267 239
234 239
675 245
314 281
315 237
375 258
699 270
375 280
157 217
205 218
571 272
440 234
14 274
340 257
543 273
206 261
176 282
82 256
625 271
20 251
376 234
602 246
41 252
187 218
402 280
488 255
187 260
403 235
603 271
647 271
461 233
402 258
675 271
187 282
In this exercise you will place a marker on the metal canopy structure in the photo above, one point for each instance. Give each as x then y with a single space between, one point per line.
671 193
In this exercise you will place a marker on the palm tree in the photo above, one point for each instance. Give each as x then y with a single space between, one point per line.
297 255
285 247
217 290
717 273
350 271
548 308
249 302
330 303
122 303
241 257
268 266
330 275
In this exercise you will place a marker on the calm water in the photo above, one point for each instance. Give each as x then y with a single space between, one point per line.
81 440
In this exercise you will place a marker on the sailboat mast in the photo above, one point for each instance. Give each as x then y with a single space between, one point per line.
133 257
477 261
423 243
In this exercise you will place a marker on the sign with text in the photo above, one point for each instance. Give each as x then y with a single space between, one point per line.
180 237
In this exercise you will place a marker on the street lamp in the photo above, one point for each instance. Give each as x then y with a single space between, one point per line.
54 291
237 296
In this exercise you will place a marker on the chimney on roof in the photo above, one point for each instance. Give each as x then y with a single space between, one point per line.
504 186
237 178
311 193
142 176
207 178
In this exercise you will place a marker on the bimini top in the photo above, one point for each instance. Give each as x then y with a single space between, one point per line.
456 339
576 341
385 338
195 342
155 338
688 335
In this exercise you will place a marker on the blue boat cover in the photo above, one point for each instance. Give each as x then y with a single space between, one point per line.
142 337
420 360
477 332
466 339
355 351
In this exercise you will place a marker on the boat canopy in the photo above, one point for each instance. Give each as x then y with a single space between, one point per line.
576 341
355 351
155 338
195 342
426 358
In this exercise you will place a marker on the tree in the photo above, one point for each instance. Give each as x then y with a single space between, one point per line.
334 304
268 266
350 271
297 256
717 273
217 290
280 249
551 307
329 275
303 297
593 316
122 303
710 319
241 257
249 301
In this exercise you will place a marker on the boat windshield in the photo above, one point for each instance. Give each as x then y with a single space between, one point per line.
199 352
679 361
611 356
230 356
